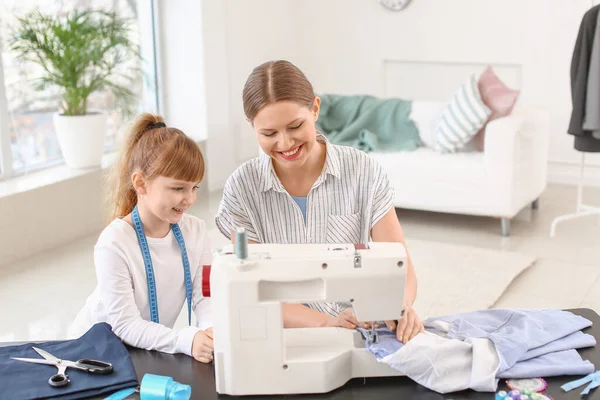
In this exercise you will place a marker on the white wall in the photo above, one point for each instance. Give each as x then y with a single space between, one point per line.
222 152
181 77
50 216
347 46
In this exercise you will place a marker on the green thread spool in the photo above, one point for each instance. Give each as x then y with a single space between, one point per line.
241 244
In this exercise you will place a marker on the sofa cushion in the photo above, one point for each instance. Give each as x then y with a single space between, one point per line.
462 118
497 97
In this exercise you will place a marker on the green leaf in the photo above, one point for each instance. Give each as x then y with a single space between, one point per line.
80 53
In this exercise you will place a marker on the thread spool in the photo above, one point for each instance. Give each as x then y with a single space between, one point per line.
501 395
241 244
514 394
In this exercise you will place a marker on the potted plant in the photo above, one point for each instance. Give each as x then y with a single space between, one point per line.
80 53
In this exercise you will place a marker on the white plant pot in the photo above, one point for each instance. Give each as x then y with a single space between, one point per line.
81 138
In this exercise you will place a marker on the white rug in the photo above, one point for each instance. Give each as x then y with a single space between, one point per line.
453 279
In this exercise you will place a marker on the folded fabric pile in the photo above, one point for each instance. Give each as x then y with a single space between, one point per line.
473 350
22 380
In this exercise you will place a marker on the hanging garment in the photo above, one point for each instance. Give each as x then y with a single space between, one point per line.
583 77
591 118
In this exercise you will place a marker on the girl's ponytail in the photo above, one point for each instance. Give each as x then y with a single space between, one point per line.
122 198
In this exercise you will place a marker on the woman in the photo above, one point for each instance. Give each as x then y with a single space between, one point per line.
304 189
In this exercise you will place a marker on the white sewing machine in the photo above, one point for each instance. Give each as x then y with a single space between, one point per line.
254 354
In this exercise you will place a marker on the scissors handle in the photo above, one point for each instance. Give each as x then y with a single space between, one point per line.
59 380
95 366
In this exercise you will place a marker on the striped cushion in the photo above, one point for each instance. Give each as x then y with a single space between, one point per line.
464 116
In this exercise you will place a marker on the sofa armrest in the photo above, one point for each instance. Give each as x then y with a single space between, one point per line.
516 157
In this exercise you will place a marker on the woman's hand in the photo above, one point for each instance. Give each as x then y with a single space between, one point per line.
202 346
346 319
409 325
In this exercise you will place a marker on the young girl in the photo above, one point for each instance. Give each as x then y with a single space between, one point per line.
149 258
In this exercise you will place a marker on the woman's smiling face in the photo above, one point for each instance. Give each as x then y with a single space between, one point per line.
286 132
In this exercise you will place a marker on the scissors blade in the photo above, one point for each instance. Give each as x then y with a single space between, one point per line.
35 360
45 354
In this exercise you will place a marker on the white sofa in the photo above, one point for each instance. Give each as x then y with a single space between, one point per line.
507 176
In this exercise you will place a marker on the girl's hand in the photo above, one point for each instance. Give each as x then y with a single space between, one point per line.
409 325
202 346
346 319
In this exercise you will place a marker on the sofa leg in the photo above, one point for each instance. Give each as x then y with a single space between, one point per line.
536 204
505 222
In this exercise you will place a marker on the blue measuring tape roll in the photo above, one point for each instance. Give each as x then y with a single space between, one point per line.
141 236
156 387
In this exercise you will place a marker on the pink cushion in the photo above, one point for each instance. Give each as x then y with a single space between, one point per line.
497 97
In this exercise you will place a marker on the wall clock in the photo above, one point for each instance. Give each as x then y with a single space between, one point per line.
394 5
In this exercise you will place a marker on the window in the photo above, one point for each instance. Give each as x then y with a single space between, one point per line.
27 137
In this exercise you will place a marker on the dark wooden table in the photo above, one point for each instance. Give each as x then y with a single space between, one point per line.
201 377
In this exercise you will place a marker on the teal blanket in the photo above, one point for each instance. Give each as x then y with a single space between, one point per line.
368 123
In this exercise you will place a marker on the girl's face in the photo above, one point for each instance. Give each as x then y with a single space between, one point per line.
168 198
286 132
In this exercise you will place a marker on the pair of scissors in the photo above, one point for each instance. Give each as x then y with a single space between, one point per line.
61 379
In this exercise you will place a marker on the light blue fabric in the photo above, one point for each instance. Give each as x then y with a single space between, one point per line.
301 201
577 340
387 344
567 362
514 332
529 343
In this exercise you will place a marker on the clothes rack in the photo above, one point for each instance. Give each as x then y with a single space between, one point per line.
581 210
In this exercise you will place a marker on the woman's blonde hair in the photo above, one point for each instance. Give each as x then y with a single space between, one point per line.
152 149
